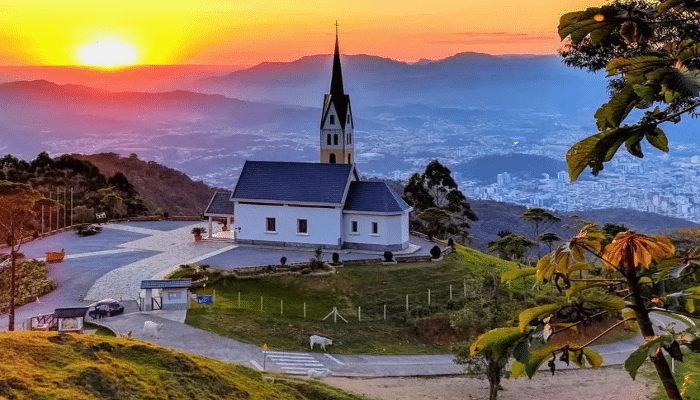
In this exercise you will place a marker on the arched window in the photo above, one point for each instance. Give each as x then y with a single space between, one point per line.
335 139
349 158
328 139
331 158
332 119
350 138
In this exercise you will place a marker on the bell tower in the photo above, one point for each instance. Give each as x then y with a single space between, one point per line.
337 141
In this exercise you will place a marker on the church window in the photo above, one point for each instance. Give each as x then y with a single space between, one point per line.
271 225
349 158
353 227
328 139
375 228
331 158
302 226
350 138
335 139
332 119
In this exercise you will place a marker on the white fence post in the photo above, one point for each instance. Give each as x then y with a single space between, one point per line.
281 307
261 303
304 310
428 296
384 312
359 313
450 292
239 299
406 303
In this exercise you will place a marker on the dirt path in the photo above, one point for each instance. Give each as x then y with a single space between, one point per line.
604 384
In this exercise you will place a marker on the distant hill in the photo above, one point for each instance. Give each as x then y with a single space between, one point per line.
465 79
497 216
159 186
47 365
524 166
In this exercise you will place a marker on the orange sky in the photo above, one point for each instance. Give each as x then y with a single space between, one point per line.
50 32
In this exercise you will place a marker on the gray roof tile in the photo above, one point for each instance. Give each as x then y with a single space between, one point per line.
220 204
166 283
293 181
374 197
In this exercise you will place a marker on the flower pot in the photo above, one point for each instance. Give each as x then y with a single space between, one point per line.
197 238
224 228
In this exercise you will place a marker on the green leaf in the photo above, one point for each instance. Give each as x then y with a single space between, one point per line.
668 5
517 369
593 357
535 313
517 273
496 341
637 358
637 65
684 81
646 92
658 139
690 305
629 313
608 302
537 358
690 389
634 146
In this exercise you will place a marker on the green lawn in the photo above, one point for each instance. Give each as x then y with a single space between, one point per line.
282 325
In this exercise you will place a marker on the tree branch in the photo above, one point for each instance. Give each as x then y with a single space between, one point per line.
605 332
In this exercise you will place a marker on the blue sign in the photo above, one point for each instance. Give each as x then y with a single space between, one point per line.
205 299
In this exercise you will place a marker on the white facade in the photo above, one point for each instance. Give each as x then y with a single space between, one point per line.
323 225
175 298
391 230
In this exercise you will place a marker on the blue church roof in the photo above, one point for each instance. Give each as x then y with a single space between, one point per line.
220 204
293 181
373 197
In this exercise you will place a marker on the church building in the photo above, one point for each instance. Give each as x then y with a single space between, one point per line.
325 204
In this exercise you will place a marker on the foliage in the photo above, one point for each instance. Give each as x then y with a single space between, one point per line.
283 261
32 282
441 208
388 256
636 270
651 53
100 367
316 262
549 238
47 175
511 246
336 258
435 252
198 231
540 218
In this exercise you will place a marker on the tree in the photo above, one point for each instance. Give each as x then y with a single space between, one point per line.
549 238
439 181
488 306
634 266
651 52
17 209
434 219
540 218
417 194
611 230
511 246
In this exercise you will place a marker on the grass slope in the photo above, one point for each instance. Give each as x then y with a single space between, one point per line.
282 325
46 365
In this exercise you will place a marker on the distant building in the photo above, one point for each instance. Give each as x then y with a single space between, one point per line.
322 204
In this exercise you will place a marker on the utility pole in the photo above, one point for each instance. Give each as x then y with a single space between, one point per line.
71 206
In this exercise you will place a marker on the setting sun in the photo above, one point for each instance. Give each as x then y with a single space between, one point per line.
107 53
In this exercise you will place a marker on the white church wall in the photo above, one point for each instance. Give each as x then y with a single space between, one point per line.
392 233
323 225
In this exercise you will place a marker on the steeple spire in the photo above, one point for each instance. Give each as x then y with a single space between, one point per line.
337 77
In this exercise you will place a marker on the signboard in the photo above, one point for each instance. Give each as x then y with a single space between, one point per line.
205 299
101 215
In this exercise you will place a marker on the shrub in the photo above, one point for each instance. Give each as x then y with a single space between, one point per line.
198 230
451 242
388 256
316 262
283 261
435 252
305 271
336 258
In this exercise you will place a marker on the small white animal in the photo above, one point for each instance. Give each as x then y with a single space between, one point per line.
322 341
151 329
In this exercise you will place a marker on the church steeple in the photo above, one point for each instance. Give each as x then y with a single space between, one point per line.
337 143
337 75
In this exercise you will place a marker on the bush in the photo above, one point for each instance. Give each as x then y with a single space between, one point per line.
388 256
283 261
198 230
451 242
316 262
336 258
305 271
435 252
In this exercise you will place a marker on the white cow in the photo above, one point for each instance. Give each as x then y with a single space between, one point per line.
322 341
151 329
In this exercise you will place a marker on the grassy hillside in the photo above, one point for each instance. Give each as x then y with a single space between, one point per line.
43 365
158 185
357 288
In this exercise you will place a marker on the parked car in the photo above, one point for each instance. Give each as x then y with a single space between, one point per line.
108 306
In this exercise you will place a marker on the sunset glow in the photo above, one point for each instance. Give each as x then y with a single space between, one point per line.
107 53
224 32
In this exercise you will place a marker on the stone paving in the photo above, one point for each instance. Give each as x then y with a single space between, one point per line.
176 247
